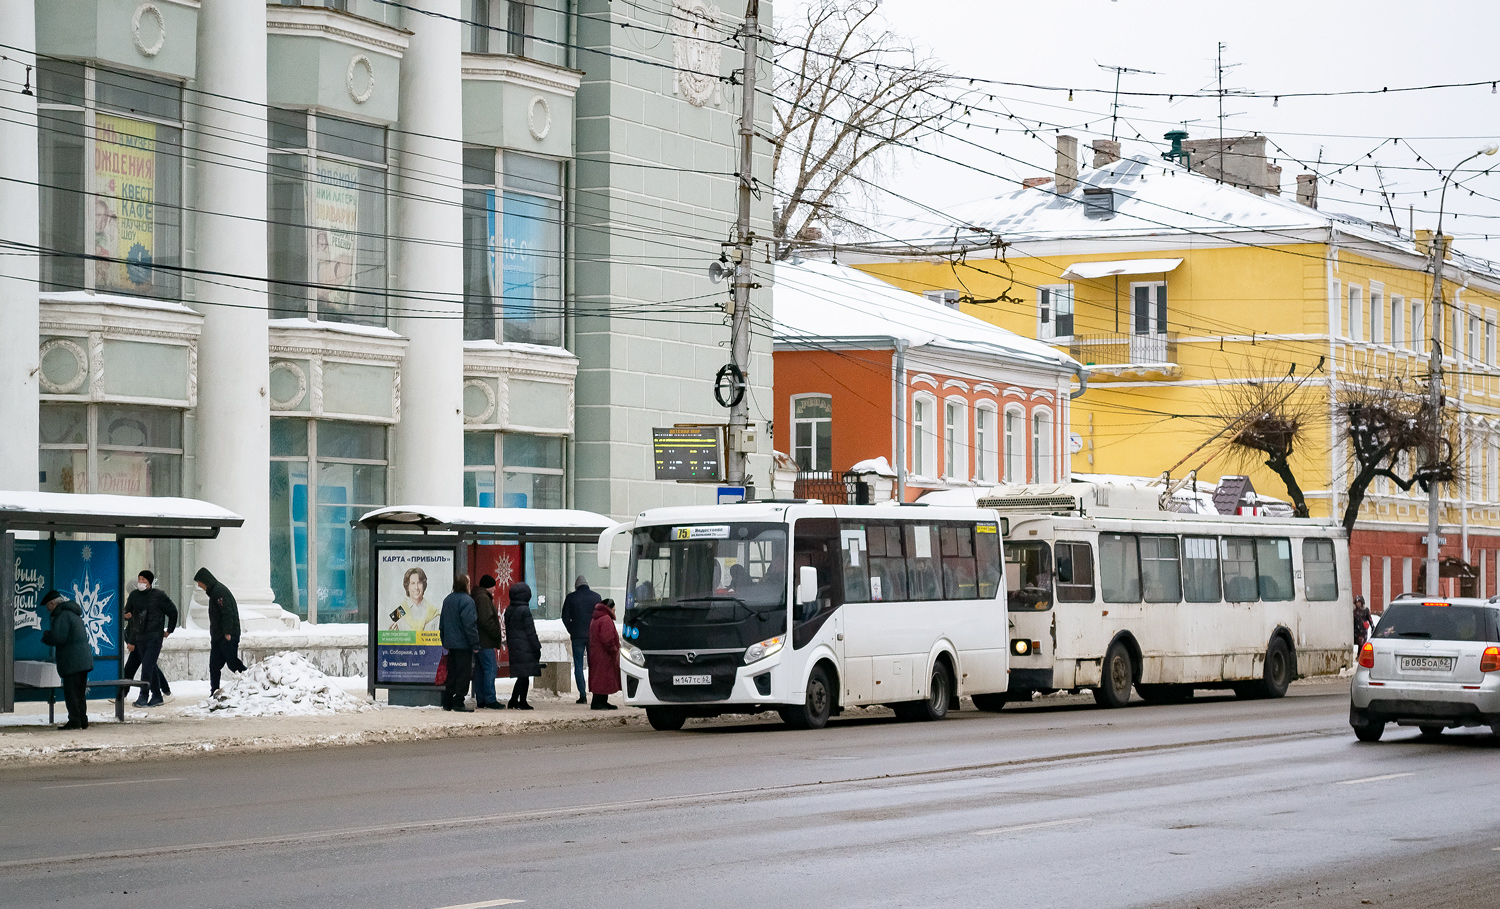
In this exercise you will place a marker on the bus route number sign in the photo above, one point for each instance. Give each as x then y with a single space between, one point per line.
688 453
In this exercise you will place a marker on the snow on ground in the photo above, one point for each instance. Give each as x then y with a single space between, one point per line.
283 684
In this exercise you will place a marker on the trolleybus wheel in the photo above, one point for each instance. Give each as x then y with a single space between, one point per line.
666 719
1116 678
992 703
815 709
1276 676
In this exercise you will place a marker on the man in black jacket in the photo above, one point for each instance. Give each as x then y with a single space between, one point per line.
75 655
151 617
223 627
577 613
487 617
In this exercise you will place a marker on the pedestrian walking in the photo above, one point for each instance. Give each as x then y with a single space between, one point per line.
1361 621
75 656
525 647
223 627
151 617
459 631
487 617
604 656
577 615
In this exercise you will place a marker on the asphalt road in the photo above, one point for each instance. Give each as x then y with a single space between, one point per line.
1214 803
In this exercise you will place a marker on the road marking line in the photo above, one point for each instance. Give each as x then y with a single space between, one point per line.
484 904
1019 827
1372 779
163 779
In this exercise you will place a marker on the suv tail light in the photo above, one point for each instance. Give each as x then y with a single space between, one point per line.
1367 656
1491 659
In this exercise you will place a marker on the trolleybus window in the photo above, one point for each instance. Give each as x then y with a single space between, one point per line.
1028 577
1240 580
1200 569
1319 574
887 563
1120 568
1274 558
1160 576
987 558
1075 573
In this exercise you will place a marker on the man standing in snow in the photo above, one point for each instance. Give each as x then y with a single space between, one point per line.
223 627
152 617
459 630
577 615
75 657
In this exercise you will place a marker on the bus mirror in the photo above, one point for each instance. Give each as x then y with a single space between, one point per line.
807 584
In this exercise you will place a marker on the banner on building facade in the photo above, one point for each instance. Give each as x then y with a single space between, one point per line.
335 224
124 202
410 586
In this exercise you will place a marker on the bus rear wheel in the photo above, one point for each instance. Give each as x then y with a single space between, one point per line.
994 703
666 719
935 705
816 707
1275 678
1116 676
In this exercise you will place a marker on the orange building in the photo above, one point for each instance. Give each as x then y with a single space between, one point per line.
864 370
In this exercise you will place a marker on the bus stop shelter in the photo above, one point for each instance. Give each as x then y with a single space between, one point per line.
48 514
416 551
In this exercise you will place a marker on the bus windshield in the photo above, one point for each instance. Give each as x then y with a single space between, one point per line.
1028 577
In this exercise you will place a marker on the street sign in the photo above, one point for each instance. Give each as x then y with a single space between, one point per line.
693 454
731 495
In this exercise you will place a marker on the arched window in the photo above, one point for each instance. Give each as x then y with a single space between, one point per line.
812 431
924 440
1015 442
986 449
955 439
1041 447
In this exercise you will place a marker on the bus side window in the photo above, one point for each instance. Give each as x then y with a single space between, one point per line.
922 553
1160 575
887 563
856 561
1075 573
987 559
1120 568
1274 559
1240 580
1200 569
1319 573
959 579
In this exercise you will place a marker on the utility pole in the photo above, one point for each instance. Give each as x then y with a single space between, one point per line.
737 468
1220 70
1114 118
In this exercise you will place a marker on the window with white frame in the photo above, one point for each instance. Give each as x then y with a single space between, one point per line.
1356 311
1489 337
924 435
812 431
1475 348
1055 311
1398 321
1335 305
986 452
1494 471
1041 447
513 248
1015 445
1418 325
955 441
1456 330
1377 314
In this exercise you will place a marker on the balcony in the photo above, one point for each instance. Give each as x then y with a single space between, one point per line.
1127 355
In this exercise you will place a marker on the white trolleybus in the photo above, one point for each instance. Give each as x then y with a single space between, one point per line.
1106 591
807 608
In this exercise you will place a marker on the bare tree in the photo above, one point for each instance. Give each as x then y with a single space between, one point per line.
847 88
1268 419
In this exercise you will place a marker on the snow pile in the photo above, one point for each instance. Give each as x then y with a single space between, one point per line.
283 684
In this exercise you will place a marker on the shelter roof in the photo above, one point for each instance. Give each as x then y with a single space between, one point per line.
489 520
139 516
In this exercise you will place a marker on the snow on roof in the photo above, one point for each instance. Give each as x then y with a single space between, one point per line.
470 518
825 302
22 510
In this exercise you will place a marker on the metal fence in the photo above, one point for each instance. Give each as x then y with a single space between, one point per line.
832 487
1124 349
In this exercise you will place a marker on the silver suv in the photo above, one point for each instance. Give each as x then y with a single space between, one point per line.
1432 663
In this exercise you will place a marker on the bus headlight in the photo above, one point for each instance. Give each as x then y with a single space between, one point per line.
764 649
632 653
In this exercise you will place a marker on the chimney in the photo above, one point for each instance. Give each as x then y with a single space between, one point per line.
1067 164
1236 160
1273 179
1106 151
1307 190
1034 182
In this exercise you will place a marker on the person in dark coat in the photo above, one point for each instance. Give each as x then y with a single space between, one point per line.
151 617
525 647
458 628
1362 621
223 627
577 613
604 656
75 656
487 617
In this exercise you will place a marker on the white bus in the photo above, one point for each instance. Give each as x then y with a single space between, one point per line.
1106 591
807 609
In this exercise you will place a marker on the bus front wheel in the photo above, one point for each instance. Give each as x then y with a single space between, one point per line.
1116 678
666 719
816 707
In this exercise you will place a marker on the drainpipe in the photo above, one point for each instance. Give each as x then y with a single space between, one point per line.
1083 382
899 380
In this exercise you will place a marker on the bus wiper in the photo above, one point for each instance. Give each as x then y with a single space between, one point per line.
714 598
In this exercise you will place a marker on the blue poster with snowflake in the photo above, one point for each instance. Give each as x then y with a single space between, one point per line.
88 573
33 578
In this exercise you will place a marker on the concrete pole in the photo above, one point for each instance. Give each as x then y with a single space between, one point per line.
19 230
234 414
428 280
738 452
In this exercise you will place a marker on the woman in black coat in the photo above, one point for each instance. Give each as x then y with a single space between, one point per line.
525 647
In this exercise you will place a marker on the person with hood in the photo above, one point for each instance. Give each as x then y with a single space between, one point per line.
1362 621
75 656
459 630
577 613
490 638
152 617
525 647
223 627
604 656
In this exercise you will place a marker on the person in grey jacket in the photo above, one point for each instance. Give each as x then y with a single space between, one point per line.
75 656
458 628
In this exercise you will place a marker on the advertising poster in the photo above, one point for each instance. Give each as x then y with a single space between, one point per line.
88 573
33 578
124 202
335 221
505 562
410 586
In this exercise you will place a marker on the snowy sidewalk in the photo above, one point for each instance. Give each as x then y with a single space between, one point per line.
180 727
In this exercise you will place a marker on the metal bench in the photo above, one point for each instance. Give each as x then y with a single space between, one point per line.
122 688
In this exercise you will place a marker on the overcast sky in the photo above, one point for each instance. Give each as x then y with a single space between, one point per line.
1271 47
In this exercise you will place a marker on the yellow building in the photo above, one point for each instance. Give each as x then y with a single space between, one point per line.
1182 294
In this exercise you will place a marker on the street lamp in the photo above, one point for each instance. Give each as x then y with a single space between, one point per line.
1435 377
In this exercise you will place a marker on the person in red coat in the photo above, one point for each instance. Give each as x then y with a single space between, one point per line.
604 656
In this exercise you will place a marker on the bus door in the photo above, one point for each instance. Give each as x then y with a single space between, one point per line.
818 619
1029 594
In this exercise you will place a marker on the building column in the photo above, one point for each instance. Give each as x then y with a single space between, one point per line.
234 412
428 273
19 236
